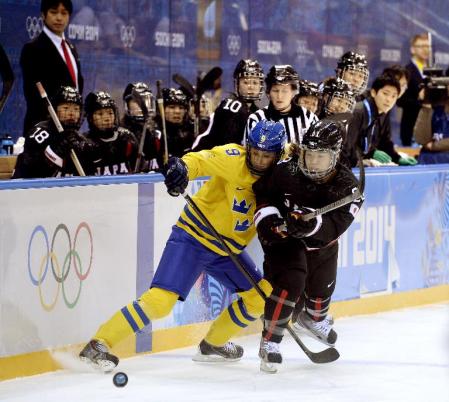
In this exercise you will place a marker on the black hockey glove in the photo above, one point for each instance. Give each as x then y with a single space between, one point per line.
271 230
298 227
59 151
176 176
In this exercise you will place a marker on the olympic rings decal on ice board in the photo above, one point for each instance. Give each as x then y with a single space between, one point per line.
49 256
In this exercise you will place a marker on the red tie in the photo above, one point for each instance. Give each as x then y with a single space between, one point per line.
68 61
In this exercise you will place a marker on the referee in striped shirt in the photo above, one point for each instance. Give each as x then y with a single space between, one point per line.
282 82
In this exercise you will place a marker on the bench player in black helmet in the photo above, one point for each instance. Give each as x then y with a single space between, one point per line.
46 151
117 145
353 68
337 97
281 86
301 256
309 96
180 134
134 119
227 124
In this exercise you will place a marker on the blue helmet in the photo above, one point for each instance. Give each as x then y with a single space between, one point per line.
268 136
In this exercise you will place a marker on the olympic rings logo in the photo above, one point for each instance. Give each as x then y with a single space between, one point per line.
50 257
127 35
234 43
34 26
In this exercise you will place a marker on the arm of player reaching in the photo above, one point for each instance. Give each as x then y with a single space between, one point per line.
214 162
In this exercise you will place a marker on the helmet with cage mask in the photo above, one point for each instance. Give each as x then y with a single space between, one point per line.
249 69
309 96
353 68
105 121
138 96
69 107
320 149
267 136
337 97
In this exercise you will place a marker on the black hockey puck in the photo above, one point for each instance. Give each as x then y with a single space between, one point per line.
120 379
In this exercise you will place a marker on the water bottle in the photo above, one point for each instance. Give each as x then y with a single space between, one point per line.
7 145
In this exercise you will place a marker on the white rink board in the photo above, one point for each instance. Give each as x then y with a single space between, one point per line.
111 214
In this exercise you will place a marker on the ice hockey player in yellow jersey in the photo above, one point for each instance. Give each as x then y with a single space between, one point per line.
227 200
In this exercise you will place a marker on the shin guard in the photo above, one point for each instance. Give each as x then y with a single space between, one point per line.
278 310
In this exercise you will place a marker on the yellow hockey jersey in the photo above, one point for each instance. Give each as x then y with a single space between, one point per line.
227 199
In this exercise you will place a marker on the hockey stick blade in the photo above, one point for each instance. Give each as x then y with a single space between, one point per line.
325 356
207 83
328 355
184 84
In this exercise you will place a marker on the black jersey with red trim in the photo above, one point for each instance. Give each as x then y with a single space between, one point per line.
287 189
117 152
46 152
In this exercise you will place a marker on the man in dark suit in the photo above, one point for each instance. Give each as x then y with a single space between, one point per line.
49 59
410 102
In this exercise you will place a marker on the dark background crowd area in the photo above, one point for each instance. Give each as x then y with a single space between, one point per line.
146 40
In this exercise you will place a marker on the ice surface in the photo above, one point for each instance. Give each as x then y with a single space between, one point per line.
396 356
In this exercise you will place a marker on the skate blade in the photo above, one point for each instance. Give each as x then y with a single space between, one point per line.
267 367
199 357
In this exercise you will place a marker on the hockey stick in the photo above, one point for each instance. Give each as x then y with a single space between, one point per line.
160 104
208 81
345 200
59 127
136 96
7 91
326 356
184 84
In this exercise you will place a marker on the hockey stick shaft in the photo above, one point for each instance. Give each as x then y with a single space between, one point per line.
59 127
160 104
325 356
140 150
345 200
7 92
138 98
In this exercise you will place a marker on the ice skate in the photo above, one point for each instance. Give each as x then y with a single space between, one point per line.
320 330
229 352
270 356
96 353
329 317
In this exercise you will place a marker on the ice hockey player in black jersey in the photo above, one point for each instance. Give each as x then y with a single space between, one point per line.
337 97
281 87
136 96
179 132
309 96
353 68
301 256
117 145
46 151
227 123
